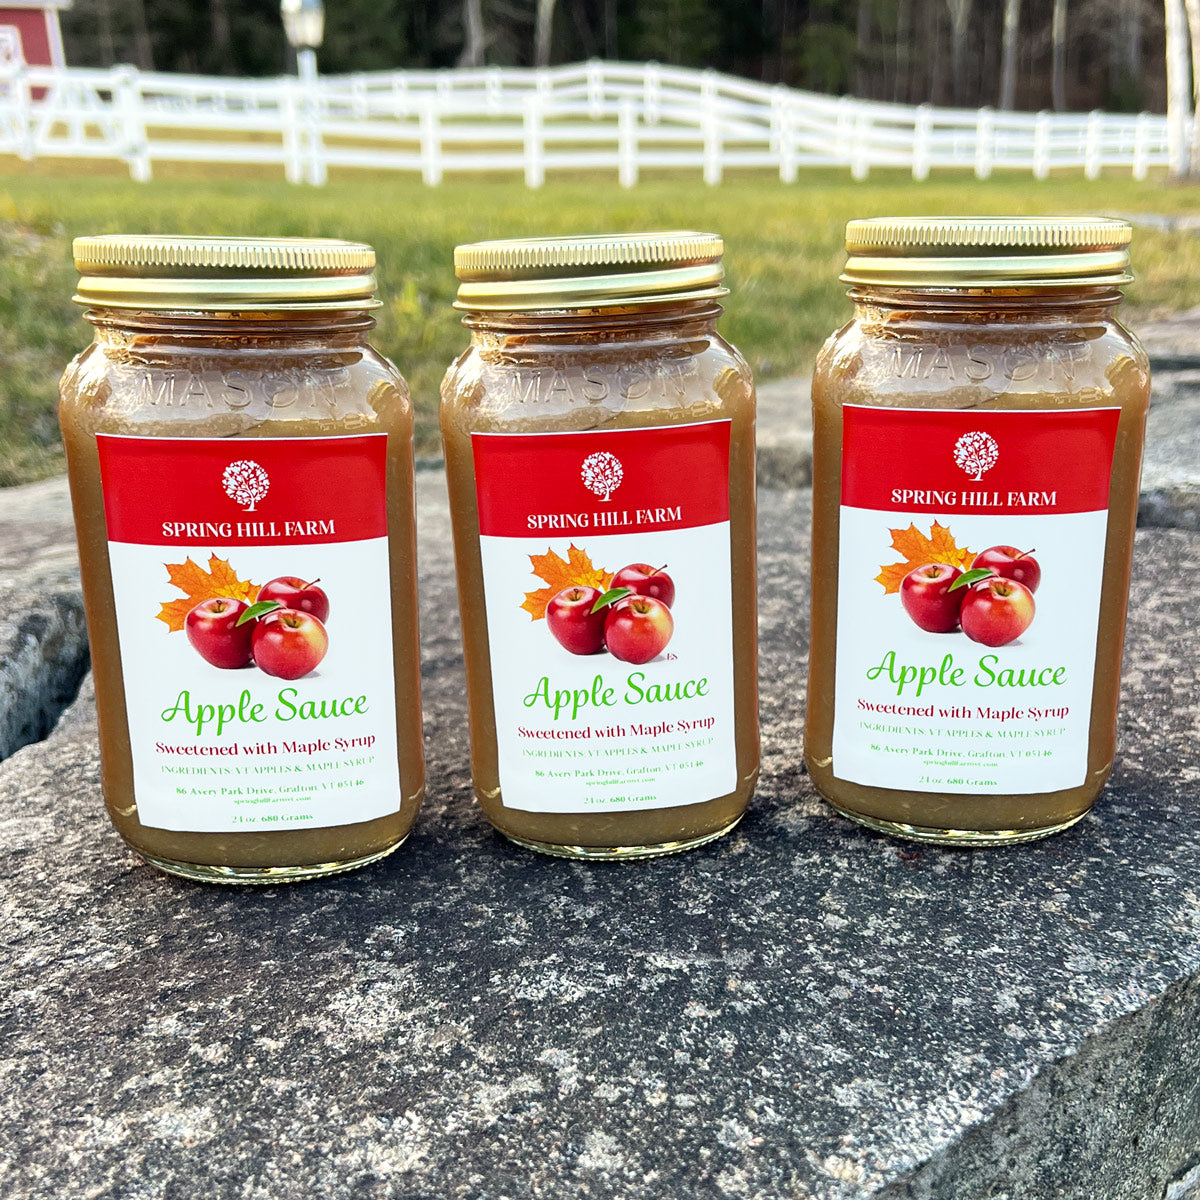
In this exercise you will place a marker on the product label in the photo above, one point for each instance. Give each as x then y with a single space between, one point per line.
606 567
253 606
987 685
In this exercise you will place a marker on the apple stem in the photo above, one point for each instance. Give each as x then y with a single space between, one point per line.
659 570
1025 554
313 582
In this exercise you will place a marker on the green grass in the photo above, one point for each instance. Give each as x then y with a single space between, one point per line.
783 253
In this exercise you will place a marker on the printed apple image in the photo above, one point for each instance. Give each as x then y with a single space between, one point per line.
638 629
996 611
1011 563
571 619
296 594
213 630
646 581
288 643
927 598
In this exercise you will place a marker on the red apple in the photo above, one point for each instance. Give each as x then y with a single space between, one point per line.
638 629
996 611
212 628
927 598
288 643
1012 564
570 618
646 581
295 593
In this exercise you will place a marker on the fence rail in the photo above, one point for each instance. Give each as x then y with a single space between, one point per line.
621 117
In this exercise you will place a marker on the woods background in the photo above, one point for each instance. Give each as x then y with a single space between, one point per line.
1026 54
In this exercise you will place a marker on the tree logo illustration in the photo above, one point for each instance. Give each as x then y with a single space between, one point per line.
246 482
602 473
976 453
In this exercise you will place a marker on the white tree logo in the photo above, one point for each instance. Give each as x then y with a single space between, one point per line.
602 473
976 453
246 482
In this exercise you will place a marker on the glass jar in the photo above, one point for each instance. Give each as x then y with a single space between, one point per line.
978 434
240 463
599 438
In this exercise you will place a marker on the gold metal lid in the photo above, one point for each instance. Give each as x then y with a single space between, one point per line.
589 271
224 274
974 252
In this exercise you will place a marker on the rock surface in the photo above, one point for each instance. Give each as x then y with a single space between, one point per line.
803 1009
43 642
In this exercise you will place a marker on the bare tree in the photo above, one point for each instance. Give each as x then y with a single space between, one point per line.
143 49
218 28
1131 36
960 15
474 39
1193 19
1178 87
862 42
901 85
542 32
1058 56
1008 61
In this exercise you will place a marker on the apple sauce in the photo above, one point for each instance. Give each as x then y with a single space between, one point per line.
599 441
980 422
236 449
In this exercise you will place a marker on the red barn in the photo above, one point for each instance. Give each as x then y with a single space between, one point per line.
29 32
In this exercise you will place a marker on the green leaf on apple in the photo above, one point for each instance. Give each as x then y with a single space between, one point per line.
258 610
969 577
611 597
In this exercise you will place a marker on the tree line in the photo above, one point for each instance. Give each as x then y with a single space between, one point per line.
1027 54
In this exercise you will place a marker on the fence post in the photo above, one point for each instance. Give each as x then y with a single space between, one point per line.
317 171
431 143
711 129
984 126
535 166
595 85
861 166
289 112
922 138
652 97
844 124
785 140
627 144
127 99
1141 146
23 115
1093 145
1041 146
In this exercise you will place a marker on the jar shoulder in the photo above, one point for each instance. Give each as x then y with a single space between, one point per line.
224 391
968 364
582 385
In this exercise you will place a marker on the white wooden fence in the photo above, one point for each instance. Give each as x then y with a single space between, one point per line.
621 117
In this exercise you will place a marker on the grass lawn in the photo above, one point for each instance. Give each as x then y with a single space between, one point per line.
784 253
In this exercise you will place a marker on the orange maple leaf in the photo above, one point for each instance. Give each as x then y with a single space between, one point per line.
197 584
575 570
938 547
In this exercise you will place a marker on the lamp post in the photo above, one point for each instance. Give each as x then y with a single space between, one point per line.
304 24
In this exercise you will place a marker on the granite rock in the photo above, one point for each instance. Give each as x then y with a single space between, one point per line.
784 433
802 1009
1170 489
43 642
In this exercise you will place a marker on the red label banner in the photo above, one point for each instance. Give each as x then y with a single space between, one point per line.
975 461
244 491
618 481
